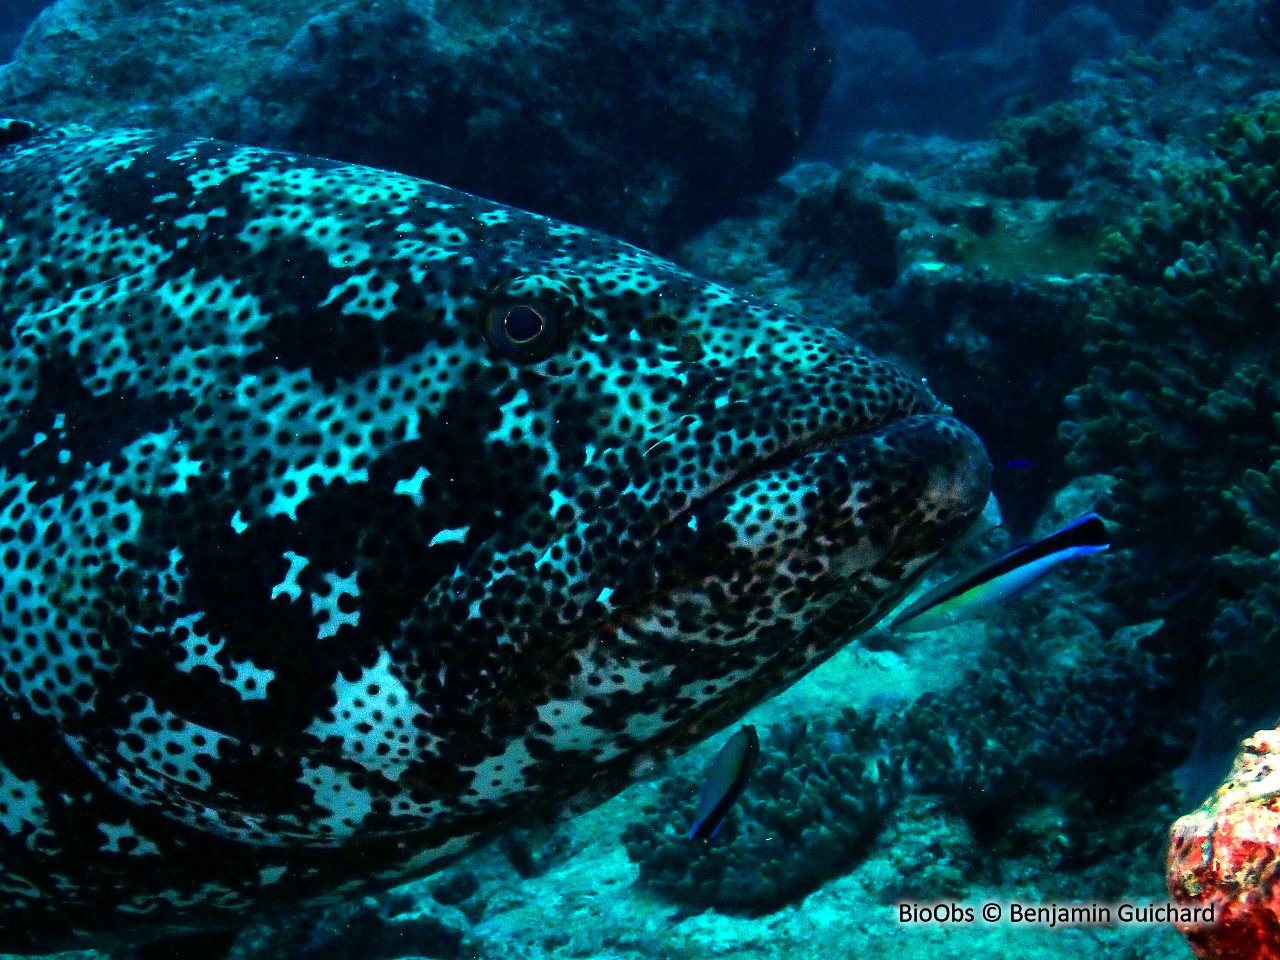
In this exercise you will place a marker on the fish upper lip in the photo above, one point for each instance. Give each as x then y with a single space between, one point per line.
822 438
761 464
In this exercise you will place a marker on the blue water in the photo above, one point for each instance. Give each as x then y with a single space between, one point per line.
14 20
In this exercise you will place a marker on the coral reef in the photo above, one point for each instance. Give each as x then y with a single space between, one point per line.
1225 857
842 225
641 118
1181 405
1044 767
1167 358
1083 849
1016 728
1023 721
1039 153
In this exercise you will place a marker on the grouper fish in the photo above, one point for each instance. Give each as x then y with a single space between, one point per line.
347 520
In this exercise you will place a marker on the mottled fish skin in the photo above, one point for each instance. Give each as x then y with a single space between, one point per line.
312 577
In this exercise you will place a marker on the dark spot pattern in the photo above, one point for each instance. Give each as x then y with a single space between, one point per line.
341 510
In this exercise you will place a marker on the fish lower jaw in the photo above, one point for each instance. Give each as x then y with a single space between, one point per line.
839 534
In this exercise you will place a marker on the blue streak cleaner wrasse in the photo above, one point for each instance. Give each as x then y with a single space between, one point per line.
971 593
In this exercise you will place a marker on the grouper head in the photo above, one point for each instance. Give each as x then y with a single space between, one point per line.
692 499
345 509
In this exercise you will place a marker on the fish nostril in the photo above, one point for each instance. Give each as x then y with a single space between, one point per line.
661 327
691 348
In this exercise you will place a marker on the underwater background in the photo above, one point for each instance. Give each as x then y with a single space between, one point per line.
1063 215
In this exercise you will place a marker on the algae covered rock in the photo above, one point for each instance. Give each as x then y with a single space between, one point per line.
635 116
1039 153
841 225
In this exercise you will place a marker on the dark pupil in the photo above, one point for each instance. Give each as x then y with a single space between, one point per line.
522 324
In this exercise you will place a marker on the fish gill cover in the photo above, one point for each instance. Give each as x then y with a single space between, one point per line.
1085 273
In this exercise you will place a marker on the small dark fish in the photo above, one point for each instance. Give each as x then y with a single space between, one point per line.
1019 464
726 777
971 593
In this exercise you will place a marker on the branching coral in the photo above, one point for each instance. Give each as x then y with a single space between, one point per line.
1037 153
1247 627
813 805
1183 408
1183 397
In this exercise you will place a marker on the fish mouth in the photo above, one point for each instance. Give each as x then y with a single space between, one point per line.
793 500
753 587
715 553
764 578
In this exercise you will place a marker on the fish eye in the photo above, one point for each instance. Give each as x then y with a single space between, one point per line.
528 318
523 323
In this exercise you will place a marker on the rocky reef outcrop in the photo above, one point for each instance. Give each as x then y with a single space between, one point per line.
642 118
1225 858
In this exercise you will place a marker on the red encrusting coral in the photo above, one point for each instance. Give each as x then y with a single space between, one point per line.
1227 854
